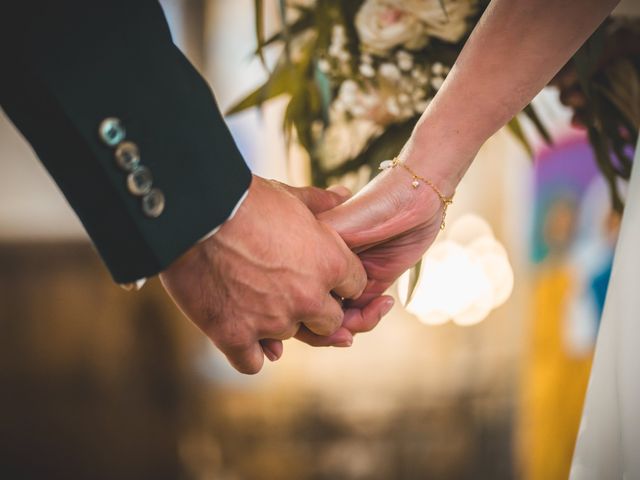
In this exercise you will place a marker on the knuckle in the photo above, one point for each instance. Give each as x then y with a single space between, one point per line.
361 281
312 305
338 267
233 339
282 328
329 323
336 319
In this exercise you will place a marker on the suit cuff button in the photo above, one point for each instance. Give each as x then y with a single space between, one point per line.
111 131
153 203
140 181
127 156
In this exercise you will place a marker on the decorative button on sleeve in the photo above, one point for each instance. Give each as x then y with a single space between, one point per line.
127 157
140 181
153 203
112 132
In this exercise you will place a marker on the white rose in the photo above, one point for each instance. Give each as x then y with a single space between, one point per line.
369 104
450 27
344 139
383 25
390 71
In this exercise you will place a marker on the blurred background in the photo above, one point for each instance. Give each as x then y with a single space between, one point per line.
100 383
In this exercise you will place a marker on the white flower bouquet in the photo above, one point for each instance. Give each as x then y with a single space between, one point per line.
359 73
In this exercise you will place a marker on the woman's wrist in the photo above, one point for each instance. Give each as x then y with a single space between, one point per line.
446 139
441 164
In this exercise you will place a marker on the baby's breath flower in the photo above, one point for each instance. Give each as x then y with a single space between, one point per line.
405 60
367 70
436 82
389 71
421 106
324 65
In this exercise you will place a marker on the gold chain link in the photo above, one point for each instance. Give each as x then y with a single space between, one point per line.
446 201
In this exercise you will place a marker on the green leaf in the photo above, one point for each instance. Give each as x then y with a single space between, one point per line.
282 80
304 22
254 99
587 57
531 113
444 9
600 144
298 115
414 276
287 77
259 25
516 129
324 88
622 92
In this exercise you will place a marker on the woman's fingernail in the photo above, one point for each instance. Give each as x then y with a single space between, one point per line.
388 305
341 190
344 343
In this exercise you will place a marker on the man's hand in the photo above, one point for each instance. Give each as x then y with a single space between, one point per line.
268 271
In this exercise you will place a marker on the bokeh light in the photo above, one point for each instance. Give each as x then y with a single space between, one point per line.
463 277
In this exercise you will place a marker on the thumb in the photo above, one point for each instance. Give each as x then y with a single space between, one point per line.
318 200
370 217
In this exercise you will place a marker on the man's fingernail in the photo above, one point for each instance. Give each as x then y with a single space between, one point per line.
388 305
344 343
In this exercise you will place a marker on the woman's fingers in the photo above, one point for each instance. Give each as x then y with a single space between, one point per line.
272 348
341 338
361 320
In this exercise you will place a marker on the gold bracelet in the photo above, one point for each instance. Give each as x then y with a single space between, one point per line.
446 201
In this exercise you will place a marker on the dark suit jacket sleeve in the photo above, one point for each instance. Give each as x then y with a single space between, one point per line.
69 64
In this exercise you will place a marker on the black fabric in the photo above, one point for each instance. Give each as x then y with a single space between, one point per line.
68 64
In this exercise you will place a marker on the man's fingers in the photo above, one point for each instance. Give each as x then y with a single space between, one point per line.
341 338
318 200
246 358
373 290
350 278
326 319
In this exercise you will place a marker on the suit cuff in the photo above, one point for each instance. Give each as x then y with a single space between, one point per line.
233 213
138 284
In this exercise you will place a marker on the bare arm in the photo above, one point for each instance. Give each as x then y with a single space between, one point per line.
514 51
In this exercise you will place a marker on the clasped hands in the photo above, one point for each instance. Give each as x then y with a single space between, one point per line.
302 262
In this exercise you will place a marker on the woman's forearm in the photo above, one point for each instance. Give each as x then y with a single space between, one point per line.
515 49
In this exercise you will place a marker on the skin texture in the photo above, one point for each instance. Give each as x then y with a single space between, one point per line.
258 281
267 273
391 231
514 51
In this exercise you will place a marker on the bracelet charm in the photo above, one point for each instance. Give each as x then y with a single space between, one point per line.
415 183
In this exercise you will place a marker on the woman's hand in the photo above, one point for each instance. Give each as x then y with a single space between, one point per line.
390 224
